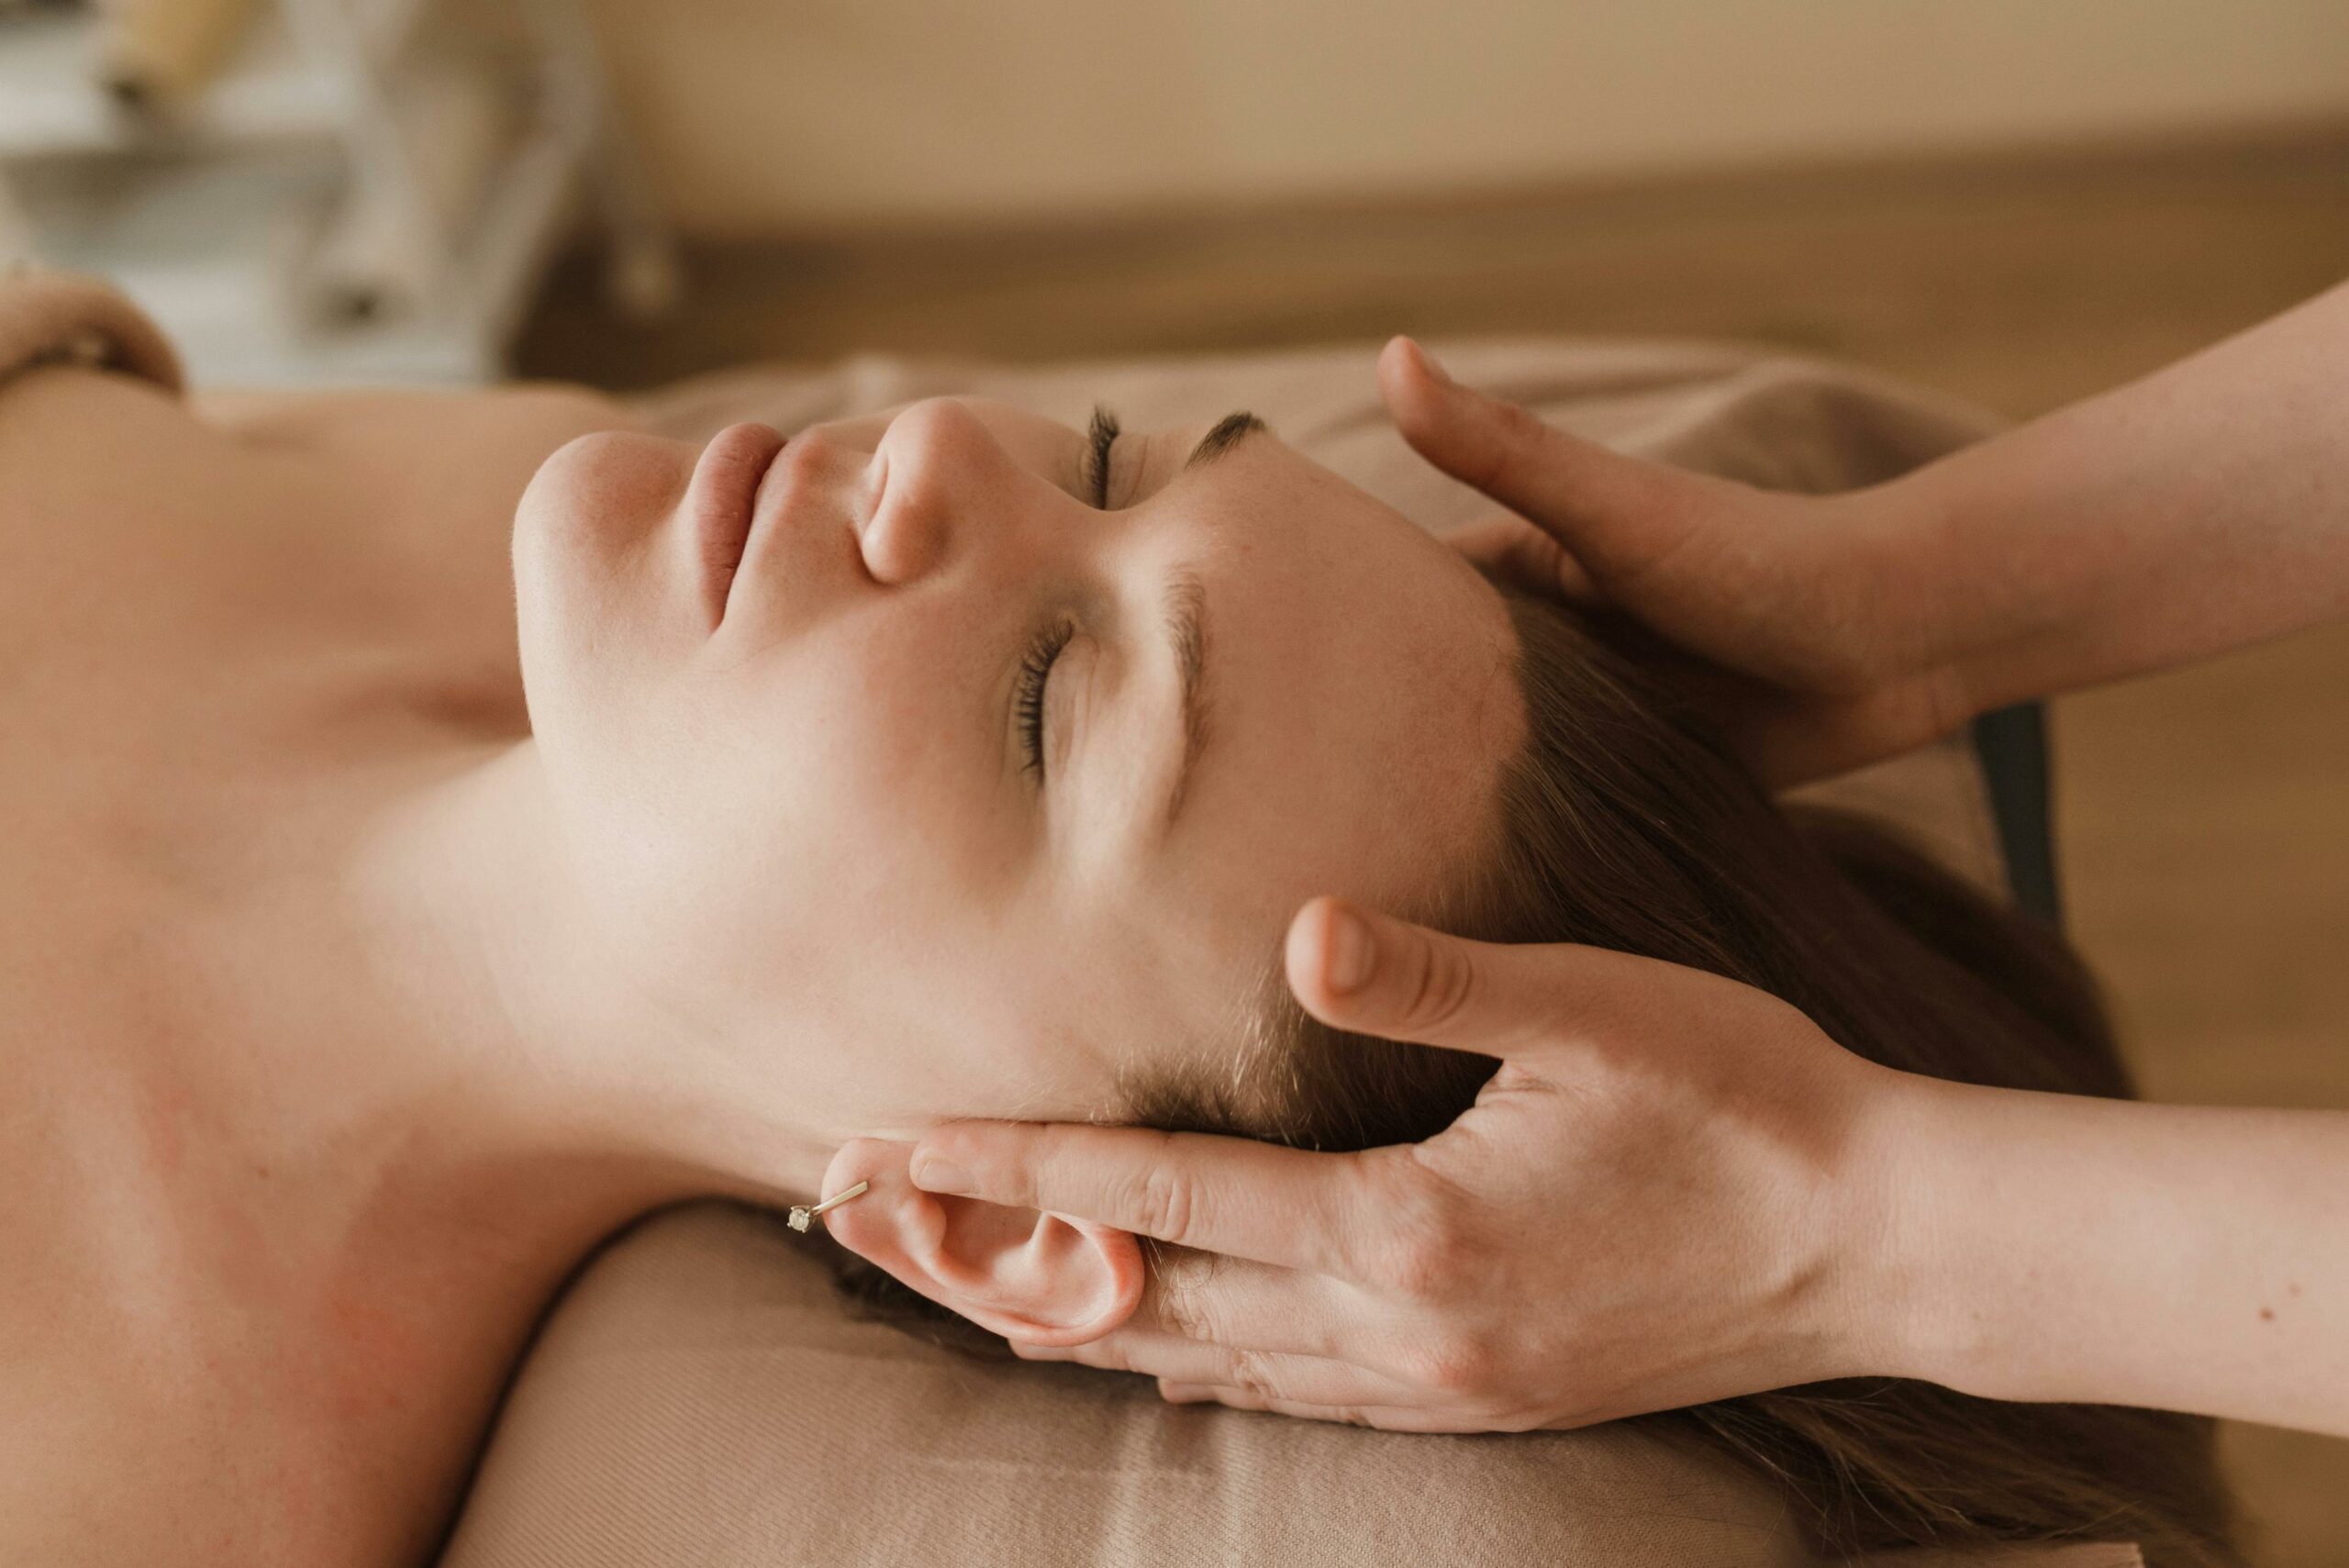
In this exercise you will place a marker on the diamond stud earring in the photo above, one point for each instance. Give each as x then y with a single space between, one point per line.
802 1214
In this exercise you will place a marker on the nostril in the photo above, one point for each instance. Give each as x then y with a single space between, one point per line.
876 491
904 531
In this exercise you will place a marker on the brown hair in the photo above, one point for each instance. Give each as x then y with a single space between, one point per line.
1624 824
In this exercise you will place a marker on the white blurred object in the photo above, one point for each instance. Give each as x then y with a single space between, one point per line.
363 190
384 253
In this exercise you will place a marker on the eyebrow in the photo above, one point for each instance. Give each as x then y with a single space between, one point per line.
1187 604
1228 432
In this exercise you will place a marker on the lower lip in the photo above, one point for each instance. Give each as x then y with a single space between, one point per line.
722 502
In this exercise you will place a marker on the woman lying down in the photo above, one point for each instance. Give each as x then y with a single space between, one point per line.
951 763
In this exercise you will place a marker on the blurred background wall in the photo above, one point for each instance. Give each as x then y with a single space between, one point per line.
776 117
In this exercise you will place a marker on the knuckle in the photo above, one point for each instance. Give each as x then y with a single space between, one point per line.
1445 987
1182 1306
1163 1203
1248 1372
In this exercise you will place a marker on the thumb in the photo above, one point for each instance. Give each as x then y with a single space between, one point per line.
1368 972
1616 515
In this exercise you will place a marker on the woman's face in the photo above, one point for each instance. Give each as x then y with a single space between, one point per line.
984 784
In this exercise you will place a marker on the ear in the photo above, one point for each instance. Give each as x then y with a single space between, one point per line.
1026 1276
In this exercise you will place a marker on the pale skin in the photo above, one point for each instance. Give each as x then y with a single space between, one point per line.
1525 1268
357 978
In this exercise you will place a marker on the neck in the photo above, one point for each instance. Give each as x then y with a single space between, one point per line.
528 1024
465 1100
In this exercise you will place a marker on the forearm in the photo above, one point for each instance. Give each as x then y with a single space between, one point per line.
2201 508
2047 1247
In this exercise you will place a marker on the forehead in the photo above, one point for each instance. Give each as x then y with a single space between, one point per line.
1365 681
1362 706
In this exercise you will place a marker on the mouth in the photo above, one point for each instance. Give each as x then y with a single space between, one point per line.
722 504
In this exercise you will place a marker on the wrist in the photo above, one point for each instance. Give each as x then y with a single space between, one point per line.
1897 1312
1938 624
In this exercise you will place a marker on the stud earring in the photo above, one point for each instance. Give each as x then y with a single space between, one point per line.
801 1213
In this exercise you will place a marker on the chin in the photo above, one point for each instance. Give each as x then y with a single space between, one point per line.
599 493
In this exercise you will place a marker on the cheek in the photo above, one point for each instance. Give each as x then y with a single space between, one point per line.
1025 1017
895 749
836 812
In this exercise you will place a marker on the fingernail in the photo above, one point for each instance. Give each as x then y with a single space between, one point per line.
936 1175
1352 952
1184 1392
1436 372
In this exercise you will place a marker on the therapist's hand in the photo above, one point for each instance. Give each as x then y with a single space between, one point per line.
1672 1190
1824 634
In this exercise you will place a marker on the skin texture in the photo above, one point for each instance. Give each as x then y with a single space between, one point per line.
2012 1245
323 926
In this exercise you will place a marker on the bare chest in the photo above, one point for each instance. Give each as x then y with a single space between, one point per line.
184 1383
197 628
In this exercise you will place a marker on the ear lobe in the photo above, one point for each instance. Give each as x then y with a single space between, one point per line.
1031 1276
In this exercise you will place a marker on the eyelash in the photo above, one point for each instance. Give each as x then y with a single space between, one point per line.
1035 664
1093 467
1035 669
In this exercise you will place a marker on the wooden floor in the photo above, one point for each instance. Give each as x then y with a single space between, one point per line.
2203 817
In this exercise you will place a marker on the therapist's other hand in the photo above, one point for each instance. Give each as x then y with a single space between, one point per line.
1817 622
1670 1192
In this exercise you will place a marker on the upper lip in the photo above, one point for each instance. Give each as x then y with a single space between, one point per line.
722 502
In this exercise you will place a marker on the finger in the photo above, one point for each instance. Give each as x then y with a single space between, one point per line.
1618 514
1312 1379
1235 1196
1388 1417
1358 970
1238 1302
1524 557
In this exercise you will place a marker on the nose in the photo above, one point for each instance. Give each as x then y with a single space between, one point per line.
944 480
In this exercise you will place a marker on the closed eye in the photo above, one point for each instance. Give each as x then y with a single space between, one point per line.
1035 675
